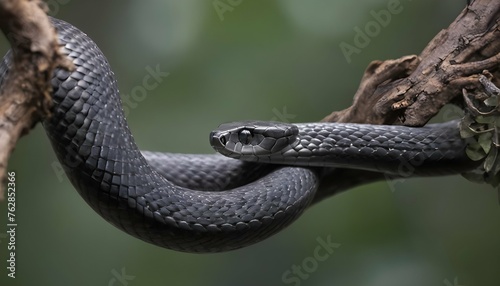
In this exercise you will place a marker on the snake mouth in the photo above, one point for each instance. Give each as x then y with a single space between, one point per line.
218 142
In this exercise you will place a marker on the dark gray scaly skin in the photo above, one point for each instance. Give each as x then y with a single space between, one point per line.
91 139
435 149
210 172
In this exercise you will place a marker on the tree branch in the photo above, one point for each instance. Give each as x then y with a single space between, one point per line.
412 89
25 91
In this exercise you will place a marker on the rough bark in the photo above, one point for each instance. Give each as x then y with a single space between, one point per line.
412 89
25 92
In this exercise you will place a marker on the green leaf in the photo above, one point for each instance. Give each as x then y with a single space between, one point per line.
466 133
491 101
484 141
474 154
491 161
485 119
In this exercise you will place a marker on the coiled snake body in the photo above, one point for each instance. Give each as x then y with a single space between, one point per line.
176 200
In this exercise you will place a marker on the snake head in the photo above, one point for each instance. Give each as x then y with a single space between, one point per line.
254 139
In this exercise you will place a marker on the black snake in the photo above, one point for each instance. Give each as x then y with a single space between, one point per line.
209 203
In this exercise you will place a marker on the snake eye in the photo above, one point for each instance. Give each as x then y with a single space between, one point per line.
245 136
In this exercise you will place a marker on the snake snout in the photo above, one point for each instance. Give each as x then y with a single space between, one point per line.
219 140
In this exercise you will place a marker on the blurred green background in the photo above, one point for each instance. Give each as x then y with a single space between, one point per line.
233 60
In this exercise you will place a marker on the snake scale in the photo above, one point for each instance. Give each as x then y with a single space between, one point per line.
208 203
